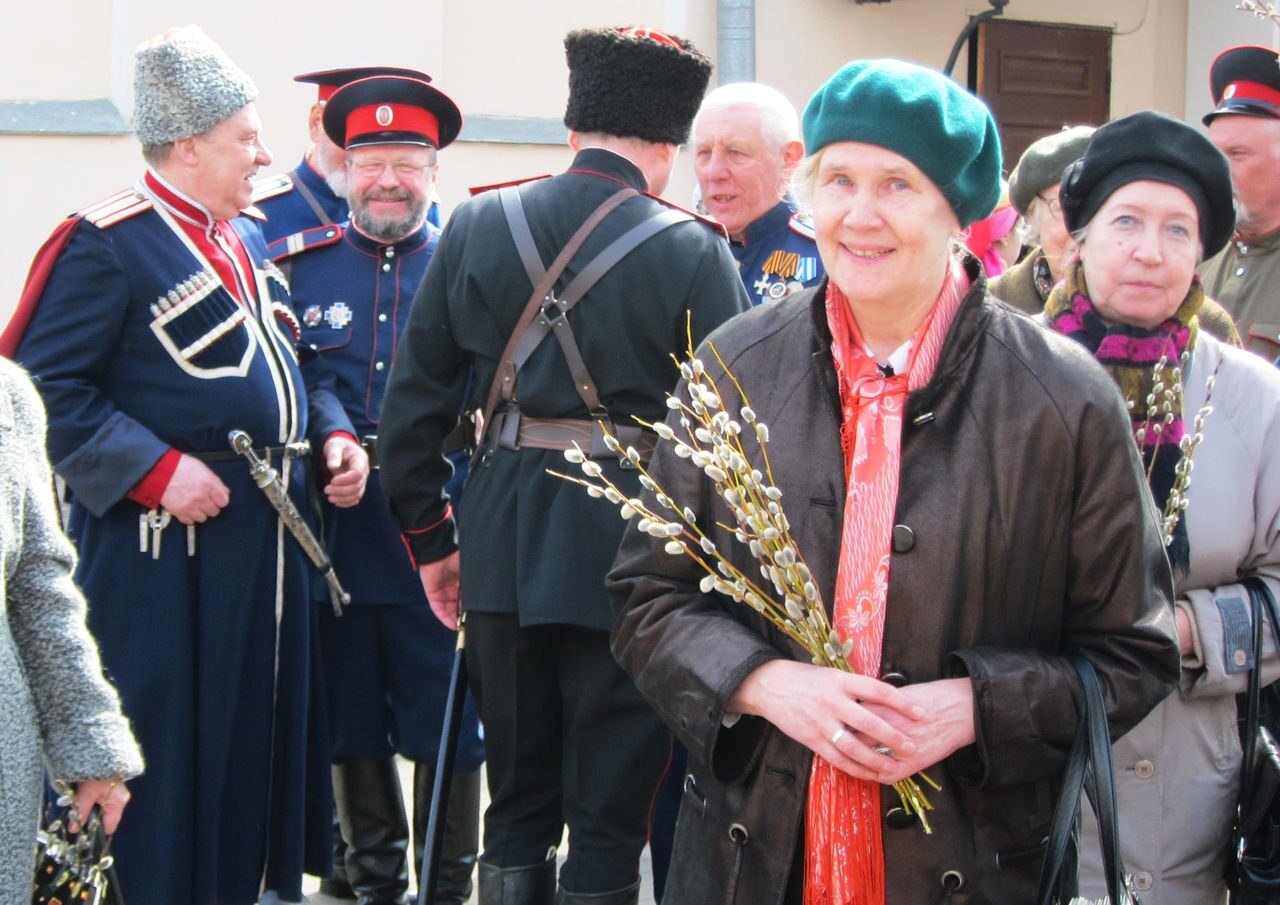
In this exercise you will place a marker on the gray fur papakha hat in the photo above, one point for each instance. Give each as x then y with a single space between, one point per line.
183 85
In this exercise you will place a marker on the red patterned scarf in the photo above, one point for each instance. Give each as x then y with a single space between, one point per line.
844 854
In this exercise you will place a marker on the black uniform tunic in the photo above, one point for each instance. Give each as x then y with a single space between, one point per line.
533 544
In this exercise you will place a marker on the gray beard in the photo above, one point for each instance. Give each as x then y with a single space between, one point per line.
337 182
391 230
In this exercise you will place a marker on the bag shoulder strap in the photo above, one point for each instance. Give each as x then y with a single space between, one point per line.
1088 768
1263 610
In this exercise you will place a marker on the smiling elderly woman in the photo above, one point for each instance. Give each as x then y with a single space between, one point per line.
963 486
1150 198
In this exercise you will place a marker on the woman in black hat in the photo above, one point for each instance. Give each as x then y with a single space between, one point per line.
1148 201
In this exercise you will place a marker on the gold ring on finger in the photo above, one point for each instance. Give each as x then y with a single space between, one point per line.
839 734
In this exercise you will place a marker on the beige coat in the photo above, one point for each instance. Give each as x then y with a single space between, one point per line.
1177 771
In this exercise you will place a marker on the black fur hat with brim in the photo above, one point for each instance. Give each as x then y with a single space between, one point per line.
634 82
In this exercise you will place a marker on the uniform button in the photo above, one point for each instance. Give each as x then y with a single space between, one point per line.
1144 769
386 268
903 538
1239 271
1142 880
1240 658
379 366
330 234
899 819
390 252
896 679
382 318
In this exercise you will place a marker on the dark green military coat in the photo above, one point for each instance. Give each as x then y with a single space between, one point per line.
532 544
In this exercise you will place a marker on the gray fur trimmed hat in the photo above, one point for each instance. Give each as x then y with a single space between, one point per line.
634 82
184 85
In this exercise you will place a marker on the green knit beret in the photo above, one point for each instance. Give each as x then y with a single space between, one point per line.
922 115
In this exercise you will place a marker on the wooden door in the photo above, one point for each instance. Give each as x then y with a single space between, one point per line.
1037 78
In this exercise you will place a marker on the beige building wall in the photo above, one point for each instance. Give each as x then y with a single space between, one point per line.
501 60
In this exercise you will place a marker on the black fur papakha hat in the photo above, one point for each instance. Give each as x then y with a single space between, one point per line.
634 82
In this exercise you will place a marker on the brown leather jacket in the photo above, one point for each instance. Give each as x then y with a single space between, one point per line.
1025 531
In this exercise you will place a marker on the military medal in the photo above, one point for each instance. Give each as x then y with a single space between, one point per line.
337 315
778 275
312 316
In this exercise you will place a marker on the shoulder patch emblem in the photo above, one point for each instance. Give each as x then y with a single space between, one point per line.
120 206
802 223
270 186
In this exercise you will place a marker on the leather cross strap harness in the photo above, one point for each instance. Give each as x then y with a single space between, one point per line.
546 313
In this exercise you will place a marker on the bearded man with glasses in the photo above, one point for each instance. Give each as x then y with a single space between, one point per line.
387 660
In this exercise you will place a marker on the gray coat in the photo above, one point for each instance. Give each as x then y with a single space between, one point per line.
54 700
1178 771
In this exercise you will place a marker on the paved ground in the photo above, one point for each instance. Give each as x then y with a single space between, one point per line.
311 885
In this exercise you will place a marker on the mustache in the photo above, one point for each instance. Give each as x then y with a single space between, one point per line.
388 195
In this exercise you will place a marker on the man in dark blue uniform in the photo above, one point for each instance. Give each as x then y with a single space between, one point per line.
388 658
747 144
154 325
569 741
302 205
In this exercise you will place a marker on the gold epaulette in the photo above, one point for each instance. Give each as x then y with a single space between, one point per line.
120 206
270 186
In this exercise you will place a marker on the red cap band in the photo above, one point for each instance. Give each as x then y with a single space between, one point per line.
392 118
1251 91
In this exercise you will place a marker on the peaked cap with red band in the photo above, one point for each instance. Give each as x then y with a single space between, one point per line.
391 110
1245 80
330 80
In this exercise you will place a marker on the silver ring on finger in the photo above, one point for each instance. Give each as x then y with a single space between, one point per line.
884 751
839 734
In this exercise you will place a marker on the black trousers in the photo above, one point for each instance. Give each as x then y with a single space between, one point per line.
569 742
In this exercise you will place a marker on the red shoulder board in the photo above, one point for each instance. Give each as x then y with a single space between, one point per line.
120 206
714 224
316 237
476 190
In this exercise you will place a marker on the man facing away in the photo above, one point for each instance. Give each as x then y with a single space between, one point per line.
154 325
569 741
746 145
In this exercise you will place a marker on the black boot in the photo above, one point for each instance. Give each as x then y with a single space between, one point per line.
533 884
461 831
335 886
371 811
628 895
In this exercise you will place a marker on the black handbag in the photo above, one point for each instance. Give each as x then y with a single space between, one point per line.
1253 865
1088 769
74 868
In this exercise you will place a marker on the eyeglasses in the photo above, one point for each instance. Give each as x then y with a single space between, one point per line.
372 169
1054 205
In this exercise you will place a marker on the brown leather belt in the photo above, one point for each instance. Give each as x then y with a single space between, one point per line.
511 430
